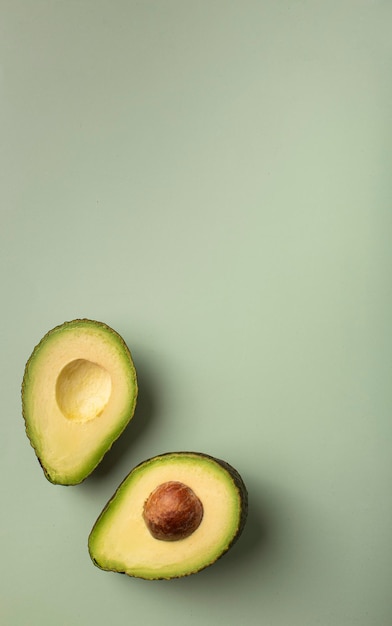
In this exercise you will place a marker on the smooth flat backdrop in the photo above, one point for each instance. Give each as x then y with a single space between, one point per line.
213 180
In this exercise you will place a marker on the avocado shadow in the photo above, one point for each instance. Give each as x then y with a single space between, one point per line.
146 409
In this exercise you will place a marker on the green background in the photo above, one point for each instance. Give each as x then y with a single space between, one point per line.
213 180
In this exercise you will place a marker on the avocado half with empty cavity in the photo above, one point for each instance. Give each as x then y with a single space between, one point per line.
79 392
172 516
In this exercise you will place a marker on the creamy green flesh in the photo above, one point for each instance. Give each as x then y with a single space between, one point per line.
78 394
120 540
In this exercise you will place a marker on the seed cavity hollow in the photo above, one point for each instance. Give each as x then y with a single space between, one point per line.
83 389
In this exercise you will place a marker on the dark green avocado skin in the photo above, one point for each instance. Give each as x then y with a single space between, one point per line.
242 490
243 495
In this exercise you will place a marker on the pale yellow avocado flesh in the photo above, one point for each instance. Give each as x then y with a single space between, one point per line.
79 392
120 540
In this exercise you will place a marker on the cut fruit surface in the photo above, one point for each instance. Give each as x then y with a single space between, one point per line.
79 392
197 522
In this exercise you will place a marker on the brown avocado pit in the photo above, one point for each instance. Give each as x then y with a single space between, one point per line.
172 511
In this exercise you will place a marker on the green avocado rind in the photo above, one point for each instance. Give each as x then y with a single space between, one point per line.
105 445
244 498
238 487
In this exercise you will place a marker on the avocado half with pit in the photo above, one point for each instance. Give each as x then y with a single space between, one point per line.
79 392
172 516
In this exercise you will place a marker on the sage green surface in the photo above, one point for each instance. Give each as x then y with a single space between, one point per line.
213 180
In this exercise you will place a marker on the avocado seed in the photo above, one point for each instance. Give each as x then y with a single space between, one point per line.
172 511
